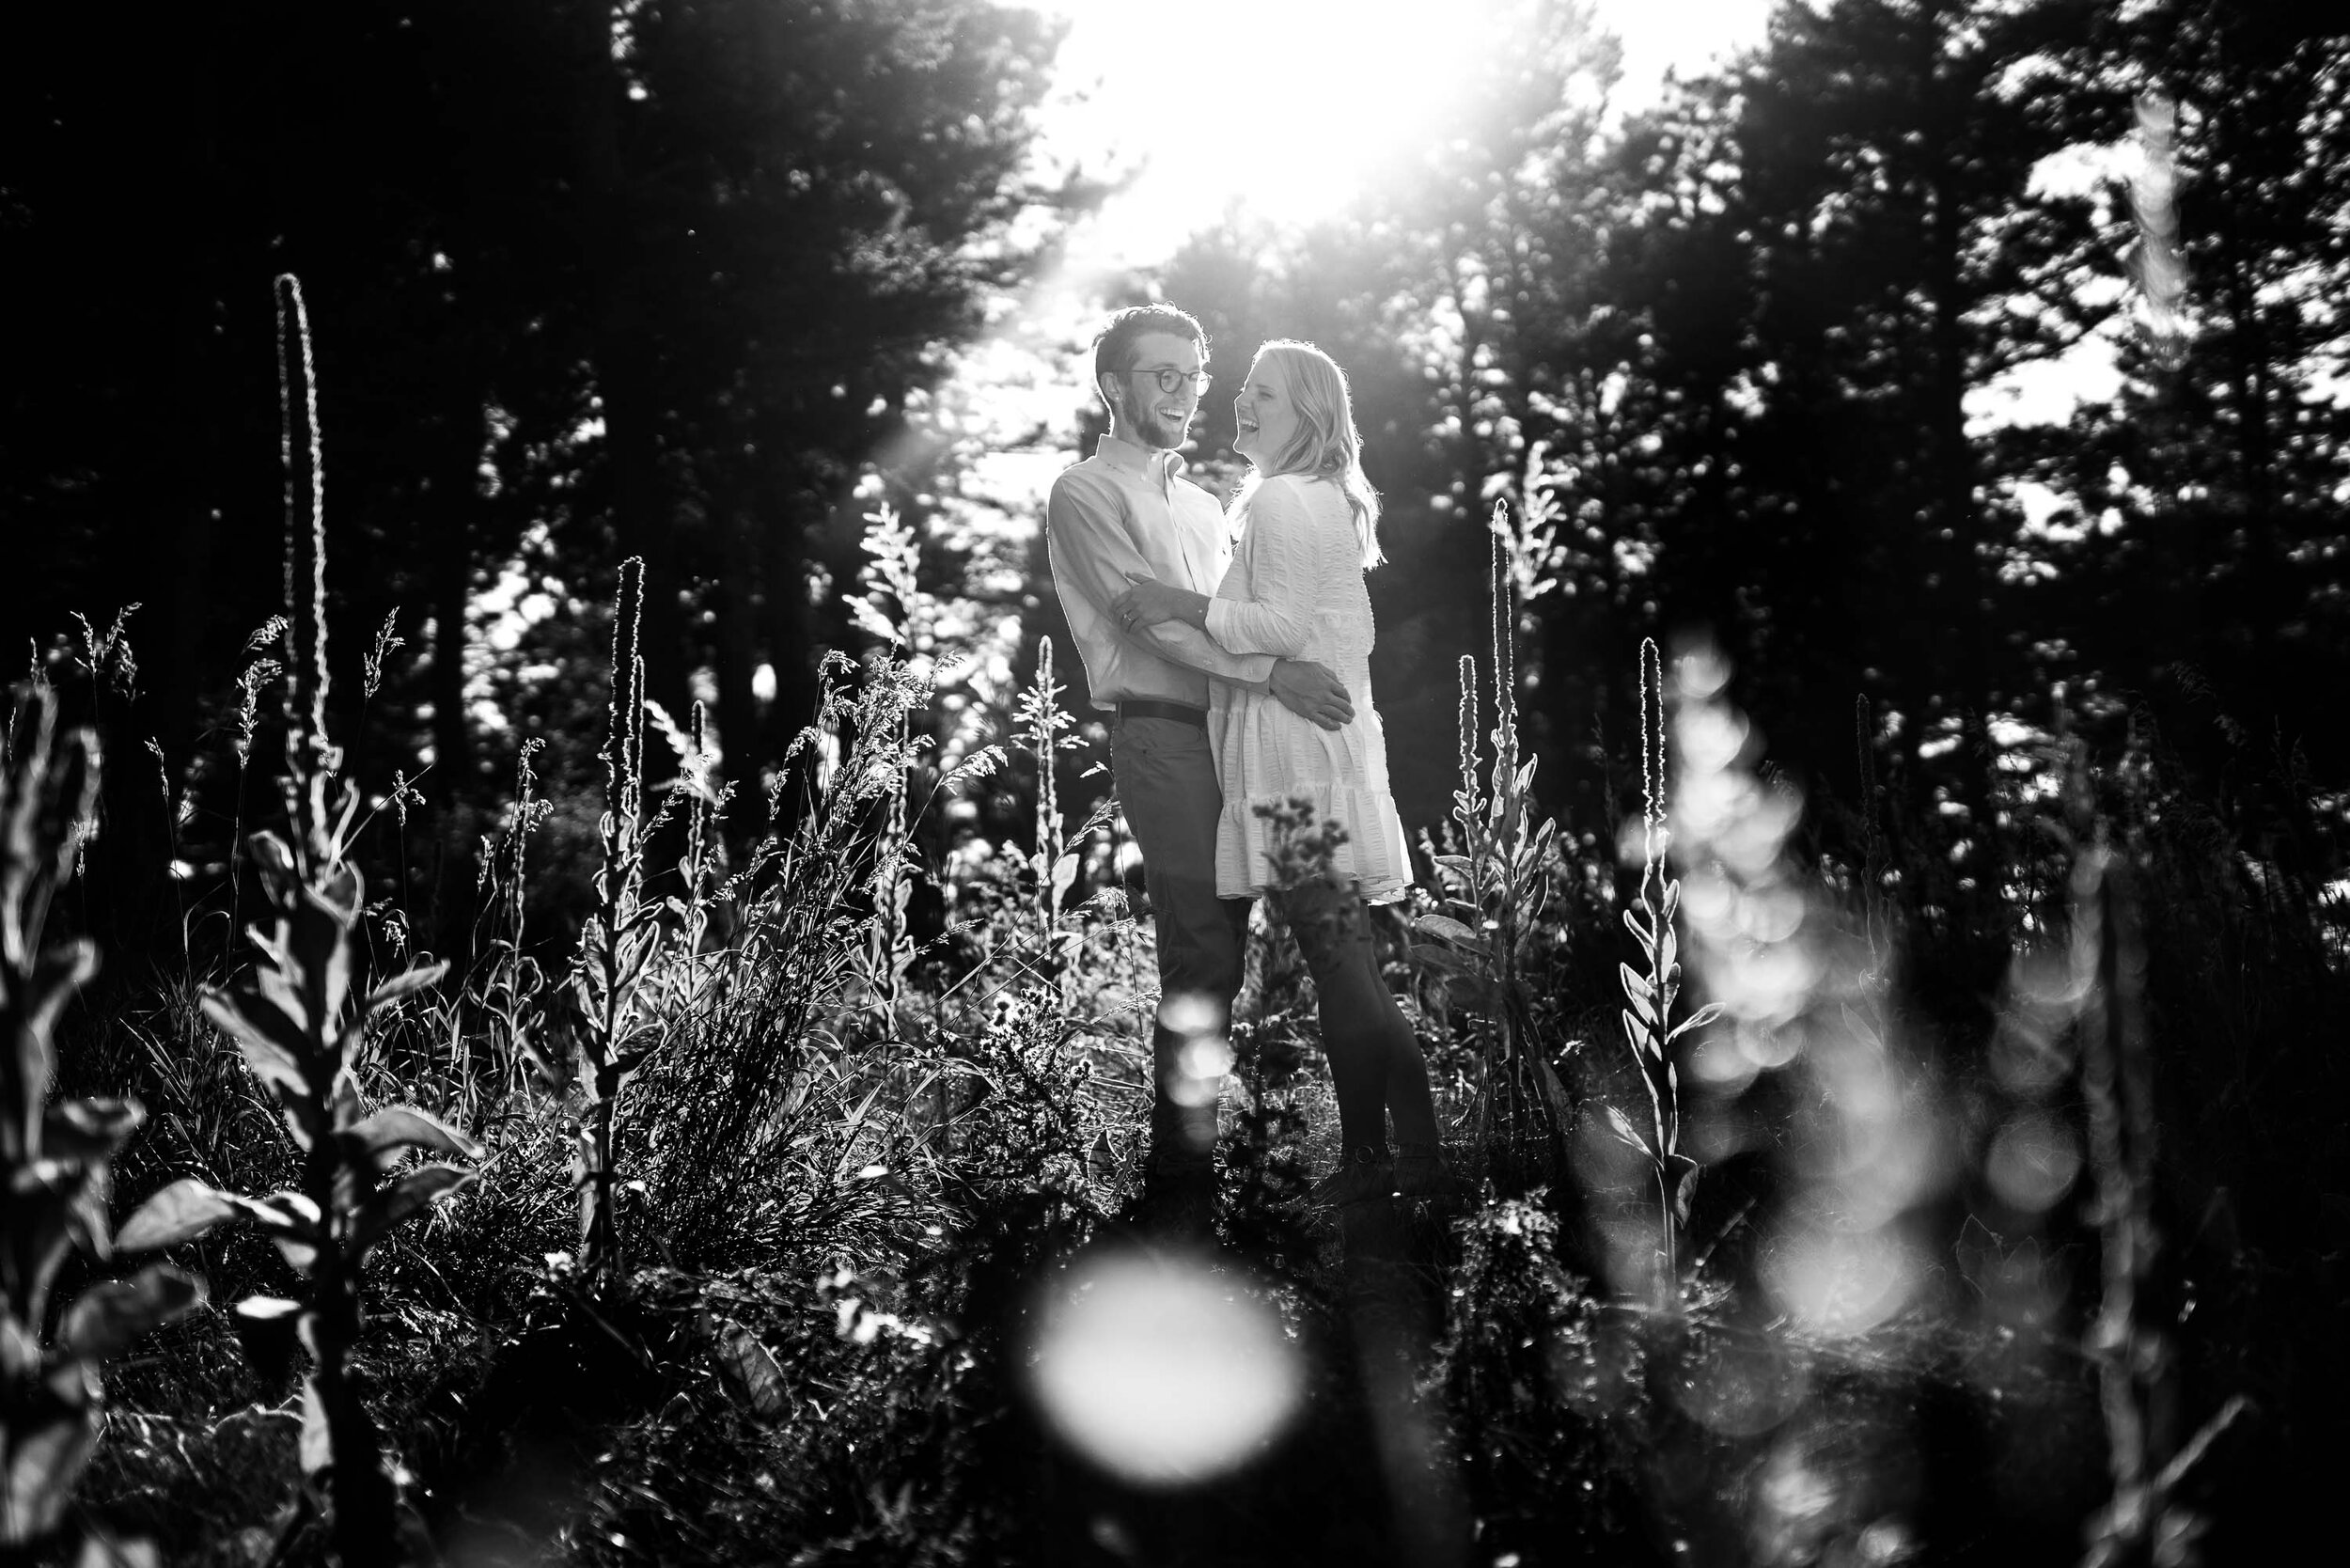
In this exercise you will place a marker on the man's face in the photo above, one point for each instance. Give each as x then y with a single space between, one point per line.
1153 416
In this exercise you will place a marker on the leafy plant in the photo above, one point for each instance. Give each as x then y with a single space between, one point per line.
774 1096
1053 863
54 1158
1649 996
1495 869
618 1026
292 1017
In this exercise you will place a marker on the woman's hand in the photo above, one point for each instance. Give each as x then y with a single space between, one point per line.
1150 601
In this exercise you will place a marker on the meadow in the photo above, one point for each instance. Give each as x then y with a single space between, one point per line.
1833 1206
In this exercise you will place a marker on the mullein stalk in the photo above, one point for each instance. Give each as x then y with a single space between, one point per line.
622 939
310 761
293 1019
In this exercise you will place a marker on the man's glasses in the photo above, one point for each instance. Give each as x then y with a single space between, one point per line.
1169 378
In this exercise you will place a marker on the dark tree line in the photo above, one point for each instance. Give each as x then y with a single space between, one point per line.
589 281
1760 334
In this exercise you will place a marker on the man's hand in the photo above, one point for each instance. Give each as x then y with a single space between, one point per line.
1149 603
1311 692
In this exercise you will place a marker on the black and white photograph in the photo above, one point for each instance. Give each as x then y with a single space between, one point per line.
1256 784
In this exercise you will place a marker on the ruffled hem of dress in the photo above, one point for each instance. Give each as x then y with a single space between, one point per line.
1383 872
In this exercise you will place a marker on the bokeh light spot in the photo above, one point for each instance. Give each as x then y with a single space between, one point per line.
1161 1372
1742 1388
1839 1282
2033 1162
1187 1012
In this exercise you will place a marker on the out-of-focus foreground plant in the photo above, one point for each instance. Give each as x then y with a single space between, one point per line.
55 1159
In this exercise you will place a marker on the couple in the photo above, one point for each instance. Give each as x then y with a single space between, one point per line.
1229 670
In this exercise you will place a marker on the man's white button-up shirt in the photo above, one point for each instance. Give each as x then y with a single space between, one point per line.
1123 514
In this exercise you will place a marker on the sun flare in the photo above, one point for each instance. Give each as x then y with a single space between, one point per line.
1289 109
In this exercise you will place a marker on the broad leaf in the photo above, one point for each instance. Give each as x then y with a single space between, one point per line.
58 973
406 1128
408 1195
302 1255
273 1046
1634 1031
1555 1092
45 1458
89 1130
318 1438
1697 1020
1622 1124
1685 1185
180 1212
298 1206
320 943
751 1372
111 1316
1446 929
1445 959
406 983
100 1550
279 874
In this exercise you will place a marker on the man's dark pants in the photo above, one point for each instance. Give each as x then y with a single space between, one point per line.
1167 785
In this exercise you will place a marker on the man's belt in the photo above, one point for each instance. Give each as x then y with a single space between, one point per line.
1147 707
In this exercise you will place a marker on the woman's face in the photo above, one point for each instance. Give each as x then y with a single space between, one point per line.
1265 413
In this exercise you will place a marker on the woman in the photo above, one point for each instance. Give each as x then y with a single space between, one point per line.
1307 522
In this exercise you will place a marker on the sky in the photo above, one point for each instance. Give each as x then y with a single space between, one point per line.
1290 107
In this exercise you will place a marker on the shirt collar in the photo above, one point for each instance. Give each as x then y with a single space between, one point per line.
1119 453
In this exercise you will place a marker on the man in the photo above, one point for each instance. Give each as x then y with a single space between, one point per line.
1121 515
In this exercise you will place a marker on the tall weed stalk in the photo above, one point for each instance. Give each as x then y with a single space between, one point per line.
294 1018
1053 863
1649 1030
1495 870
618 1026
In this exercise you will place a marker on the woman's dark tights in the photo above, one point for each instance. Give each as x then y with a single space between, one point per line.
1375 1062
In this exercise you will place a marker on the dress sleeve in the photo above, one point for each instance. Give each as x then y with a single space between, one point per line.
1094 560
1285 570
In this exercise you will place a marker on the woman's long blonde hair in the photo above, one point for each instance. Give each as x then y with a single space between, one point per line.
1327 445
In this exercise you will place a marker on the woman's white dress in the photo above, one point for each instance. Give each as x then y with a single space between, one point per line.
1295 588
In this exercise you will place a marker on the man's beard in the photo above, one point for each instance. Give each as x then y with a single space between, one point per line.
1156 431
